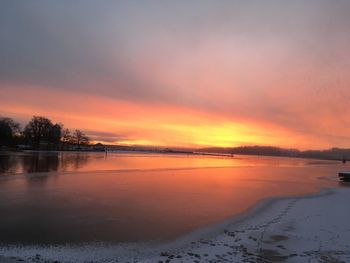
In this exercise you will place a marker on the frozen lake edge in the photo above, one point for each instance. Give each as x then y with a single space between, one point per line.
293 229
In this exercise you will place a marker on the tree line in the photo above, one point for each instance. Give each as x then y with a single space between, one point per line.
341 154
40 133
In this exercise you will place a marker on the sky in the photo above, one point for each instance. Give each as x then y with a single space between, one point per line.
181 73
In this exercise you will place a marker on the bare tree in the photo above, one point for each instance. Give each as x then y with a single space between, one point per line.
37 130
9 129
80 138
67 136
41 130
55 134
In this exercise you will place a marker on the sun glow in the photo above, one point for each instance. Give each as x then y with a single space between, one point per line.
113 121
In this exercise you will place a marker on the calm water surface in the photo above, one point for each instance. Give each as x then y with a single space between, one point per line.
59 198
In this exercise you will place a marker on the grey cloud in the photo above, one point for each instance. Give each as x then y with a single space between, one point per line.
64 44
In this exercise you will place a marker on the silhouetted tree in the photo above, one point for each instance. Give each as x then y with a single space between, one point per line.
67 136
80 138
41 130
55 134
9 129
37 130
40 133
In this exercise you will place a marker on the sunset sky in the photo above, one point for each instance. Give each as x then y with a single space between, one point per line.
181 73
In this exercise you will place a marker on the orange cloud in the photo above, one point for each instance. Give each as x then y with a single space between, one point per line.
142 123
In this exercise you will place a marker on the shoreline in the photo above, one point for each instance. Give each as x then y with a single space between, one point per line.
194 153
274 229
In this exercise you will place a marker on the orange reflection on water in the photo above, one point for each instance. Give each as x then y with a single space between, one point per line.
123 205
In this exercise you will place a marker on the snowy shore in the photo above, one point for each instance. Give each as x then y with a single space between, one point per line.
312 228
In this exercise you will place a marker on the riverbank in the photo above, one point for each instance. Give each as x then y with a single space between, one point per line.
313 228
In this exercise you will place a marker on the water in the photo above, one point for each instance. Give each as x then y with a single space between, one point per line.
73 198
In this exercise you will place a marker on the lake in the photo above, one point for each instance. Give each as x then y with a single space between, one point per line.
74 197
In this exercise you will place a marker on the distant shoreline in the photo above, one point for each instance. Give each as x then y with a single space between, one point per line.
122 151
228 155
